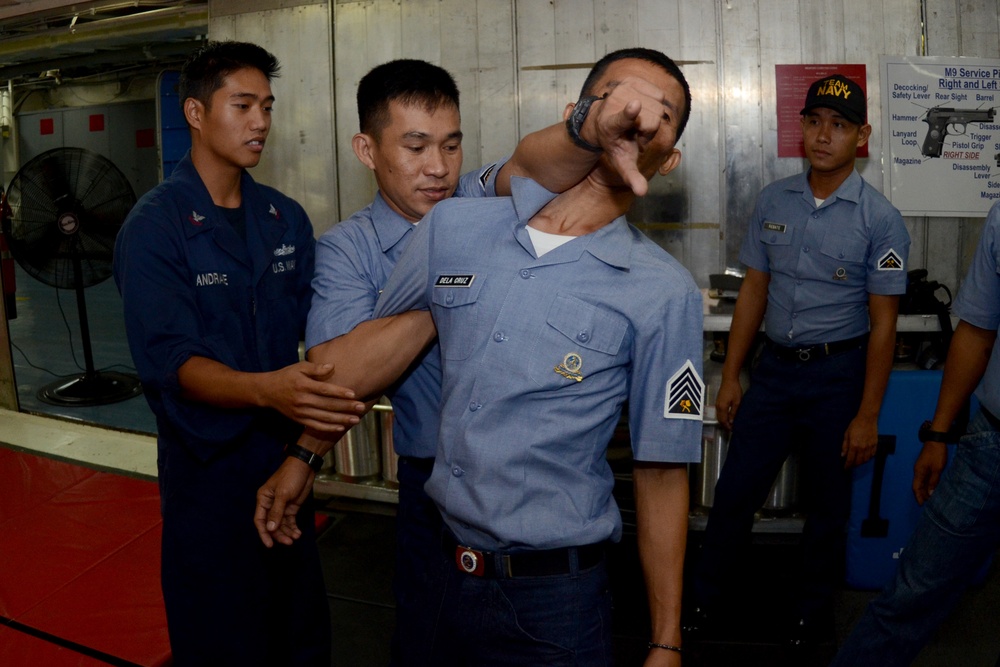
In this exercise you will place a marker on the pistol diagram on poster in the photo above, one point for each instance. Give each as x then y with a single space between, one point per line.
942 136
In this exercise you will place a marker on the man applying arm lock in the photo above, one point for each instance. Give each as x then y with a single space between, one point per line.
411 140
566 312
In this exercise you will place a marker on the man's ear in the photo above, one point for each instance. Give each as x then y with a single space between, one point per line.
194 112
864 132
363 145
669 163
568 110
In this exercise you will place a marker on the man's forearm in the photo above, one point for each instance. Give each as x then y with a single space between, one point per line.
549 158
661 493
968 356
208 381
376 353
881 347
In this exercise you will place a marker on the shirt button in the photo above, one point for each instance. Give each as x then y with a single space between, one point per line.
583 336
525 273
805 249
457 471
449 298
841 255
794 315
474 406
498 337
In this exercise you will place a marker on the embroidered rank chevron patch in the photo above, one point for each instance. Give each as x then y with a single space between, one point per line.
890 261
484 177
685 394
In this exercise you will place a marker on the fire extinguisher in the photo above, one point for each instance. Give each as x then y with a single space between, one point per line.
7 260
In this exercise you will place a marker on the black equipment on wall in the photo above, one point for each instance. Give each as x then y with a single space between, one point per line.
68 205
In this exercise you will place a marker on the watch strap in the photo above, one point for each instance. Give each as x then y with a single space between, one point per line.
575 122
926 434
312 459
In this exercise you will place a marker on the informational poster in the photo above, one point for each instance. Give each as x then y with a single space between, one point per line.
791 85
941 135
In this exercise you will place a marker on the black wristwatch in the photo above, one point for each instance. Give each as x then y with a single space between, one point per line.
312 459
575 122
925 434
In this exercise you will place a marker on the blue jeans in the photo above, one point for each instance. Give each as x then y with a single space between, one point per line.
556 621
789 404
418 565
958 531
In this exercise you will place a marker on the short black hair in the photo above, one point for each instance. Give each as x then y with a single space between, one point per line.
407 82
649 55
207 68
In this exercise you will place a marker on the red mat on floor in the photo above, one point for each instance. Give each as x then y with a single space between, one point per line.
79 566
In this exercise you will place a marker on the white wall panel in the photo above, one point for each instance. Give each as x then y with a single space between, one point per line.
299 158
472 40
497 83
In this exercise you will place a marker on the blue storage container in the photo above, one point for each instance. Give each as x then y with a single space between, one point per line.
884 512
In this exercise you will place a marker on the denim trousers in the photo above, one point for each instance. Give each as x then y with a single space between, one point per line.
556 621
790 404
957 532
418 566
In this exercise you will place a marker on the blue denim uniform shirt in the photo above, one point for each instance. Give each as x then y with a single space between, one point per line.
353 262
539 356
824 262
978 302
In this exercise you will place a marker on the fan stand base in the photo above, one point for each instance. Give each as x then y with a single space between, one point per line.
96 388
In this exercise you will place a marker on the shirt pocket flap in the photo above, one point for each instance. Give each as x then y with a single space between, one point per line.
769 236
587 325
449 294
843 248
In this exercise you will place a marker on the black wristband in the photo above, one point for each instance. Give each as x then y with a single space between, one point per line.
312 459
666 647
575 122
925 434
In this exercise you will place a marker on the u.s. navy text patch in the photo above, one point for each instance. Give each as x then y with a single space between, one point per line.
685 394
775 227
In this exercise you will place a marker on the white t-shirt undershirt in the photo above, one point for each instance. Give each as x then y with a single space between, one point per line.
544 241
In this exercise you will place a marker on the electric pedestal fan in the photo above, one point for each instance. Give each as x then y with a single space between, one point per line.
68 204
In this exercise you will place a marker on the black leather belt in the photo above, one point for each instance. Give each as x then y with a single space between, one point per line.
813 352
537 563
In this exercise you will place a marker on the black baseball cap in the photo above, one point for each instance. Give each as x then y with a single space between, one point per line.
839 93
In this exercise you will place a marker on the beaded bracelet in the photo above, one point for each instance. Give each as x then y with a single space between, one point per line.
666 647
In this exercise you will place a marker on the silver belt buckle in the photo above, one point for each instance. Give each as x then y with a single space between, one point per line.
804 354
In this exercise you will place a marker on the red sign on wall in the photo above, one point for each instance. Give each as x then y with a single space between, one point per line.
46 126
97 122
791 85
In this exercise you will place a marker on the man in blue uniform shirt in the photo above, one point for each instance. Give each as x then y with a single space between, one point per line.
214 273
606 317
959 529
411 140
825 254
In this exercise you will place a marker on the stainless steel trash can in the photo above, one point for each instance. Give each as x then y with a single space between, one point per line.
390 460
356 455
